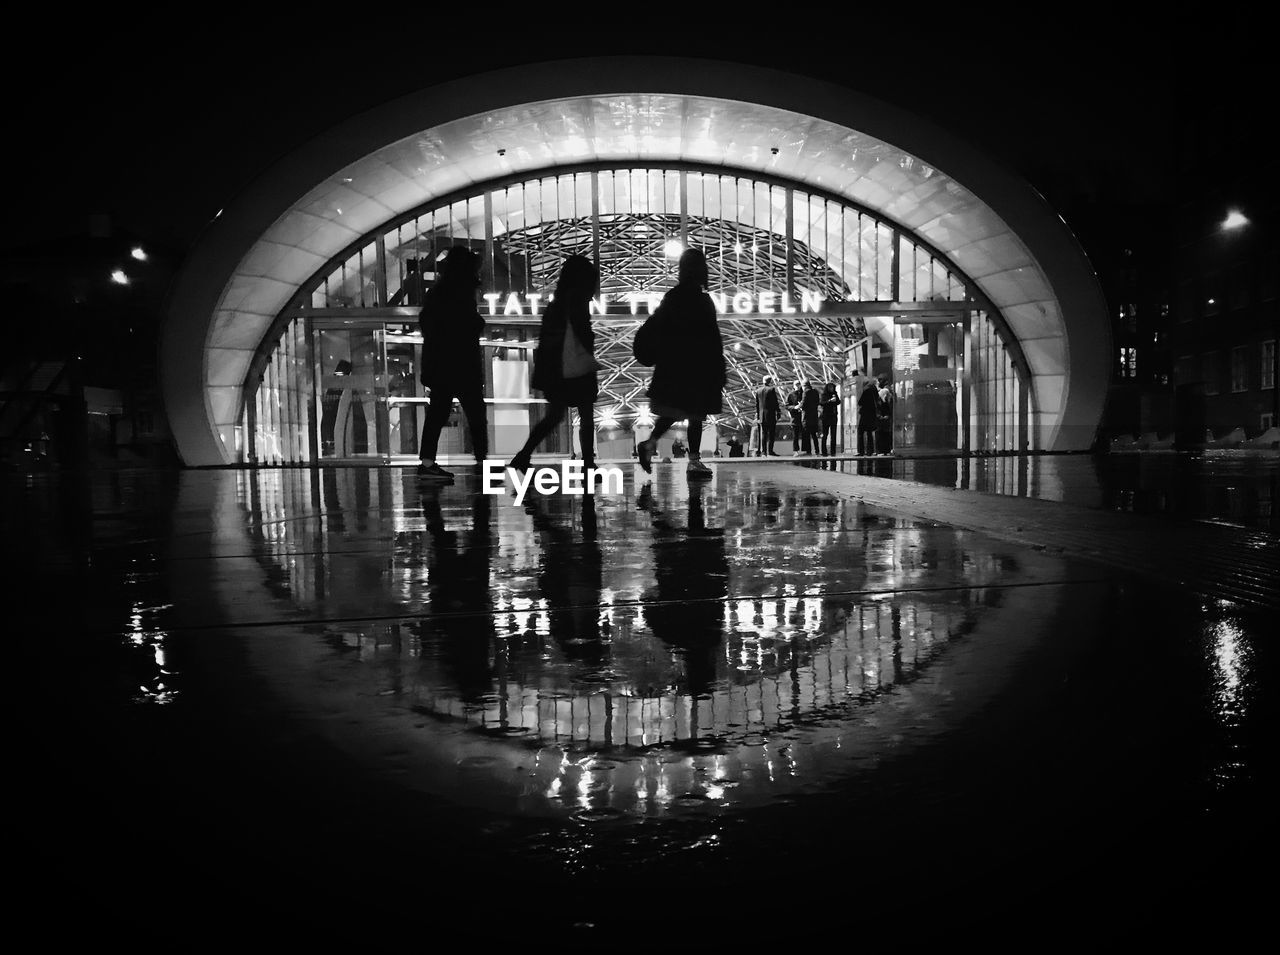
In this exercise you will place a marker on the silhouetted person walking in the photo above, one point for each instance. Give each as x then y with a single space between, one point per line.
830 417
451 358
868 418
682 341
768 405
574 384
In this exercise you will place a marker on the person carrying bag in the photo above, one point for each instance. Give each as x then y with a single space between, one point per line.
564 366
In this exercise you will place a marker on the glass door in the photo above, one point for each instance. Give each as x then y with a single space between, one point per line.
927 411
351 392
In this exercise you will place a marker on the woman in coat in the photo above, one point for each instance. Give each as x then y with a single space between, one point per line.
570 308
868 417
683 336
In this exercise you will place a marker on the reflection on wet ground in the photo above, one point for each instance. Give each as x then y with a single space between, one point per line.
298 673
1234 487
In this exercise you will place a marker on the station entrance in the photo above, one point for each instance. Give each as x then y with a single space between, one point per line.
809 289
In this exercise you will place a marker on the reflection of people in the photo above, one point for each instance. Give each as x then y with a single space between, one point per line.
691 578
795 405
767 407
810 406
735 447
868 417
568 310
689 373
451 358
459 595
884 430
830 417
570 577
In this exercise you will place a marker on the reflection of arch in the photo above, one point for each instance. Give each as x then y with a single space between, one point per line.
267 514
262 247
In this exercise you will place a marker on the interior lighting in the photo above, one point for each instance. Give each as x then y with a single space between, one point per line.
1235 220
673 248
139 253
119 277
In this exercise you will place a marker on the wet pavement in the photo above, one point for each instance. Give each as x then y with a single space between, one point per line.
1231 487
738 710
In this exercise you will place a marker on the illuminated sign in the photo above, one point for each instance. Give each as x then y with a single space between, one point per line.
642 303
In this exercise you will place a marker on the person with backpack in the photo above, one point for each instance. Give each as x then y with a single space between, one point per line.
681 340
564 367
452 366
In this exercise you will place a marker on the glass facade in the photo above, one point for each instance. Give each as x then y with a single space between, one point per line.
808 288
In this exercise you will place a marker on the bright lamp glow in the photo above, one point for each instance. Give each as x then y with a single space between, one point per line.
672 249
119 277
138 253
1235 220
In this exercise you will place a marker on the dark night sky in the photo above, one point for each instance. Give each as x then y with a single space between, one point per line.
162 133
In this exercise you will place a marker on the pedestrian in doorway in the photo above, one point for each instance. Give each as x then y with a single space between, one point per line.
451 358
683 336
868 417
767 407
830 417
884 431
564 366
795 406
811 406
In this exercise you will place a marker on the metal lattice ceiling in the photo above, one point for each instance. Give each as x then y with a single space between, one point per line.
633 259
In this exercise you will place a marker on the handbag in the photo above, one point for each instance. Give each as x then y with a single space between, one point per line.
575 360
646 346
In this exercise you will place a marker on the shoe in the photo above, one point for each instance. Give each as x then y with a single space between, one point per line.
796 454
645 452
697 471
433 472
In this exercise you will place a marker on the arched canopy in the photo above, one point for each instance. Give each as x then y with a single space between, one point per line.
368 171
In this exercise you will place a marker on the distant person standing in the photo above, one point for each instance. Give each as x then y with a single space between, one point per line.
767 407
812 415
830 417
868 417
451 359
795 405
884 431
681 340
565 387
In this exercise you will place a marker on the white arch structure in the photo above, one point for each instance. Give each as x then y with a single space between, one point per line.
366 171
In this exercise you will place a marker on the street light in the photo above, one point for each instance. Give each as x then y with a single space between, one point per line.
1235 220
